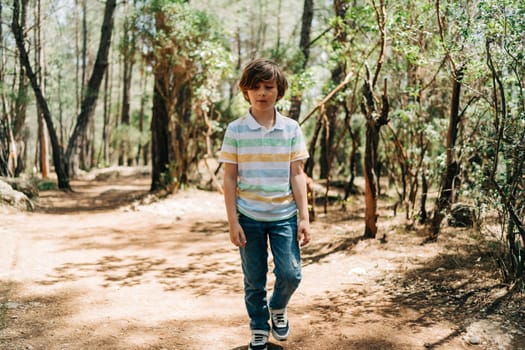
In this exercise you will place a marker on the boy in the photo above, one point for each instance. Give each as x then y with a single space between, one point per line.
264 190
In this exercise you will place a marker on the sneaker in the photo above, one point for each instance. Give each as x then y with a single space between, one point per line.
280 325
259 340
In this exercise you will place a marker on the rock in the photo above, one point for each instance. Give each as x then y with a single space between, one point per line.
11 305
12 198
474 340
22 184
462 215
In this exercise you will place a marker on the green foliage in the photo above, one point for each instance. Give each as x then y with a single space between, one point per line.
499 178
190 42
201 45
186 51
129 137
46 185
300 82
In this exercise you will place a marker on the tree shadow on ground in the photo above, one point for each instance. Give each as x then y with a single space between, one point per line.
32 320
196 273
164 253
210 227
271 346
458 286
315 253
44 322
89 196
366 343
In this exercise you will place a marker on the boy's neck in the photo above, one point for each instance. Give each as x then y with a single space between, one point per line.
264 118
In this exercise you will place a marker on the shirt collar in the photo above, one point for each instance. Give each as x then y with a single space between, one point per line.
252 123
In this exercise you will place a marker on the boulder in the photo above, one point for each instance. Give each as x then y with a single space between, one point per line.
22 184
13 198
462 215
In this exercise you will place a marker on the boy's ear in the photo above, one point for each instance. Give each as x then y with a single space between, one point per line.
245 94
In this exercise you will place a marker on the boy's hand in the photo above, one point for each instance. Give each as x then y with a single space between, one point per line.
303 232
237 236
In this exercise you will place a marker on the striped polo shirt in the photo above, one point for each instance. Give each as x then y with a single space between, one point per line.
263 158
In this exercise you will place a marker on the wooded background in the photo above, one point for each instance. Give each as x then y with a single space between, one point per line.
425 97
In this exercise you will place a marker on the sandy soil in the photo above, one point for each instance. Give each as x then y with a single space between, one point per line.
109 267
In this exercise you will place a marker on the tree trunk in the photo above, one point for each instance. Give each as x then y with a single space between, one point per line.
39 67
182 157
142 149
162 127
8 150
19 113
332 109
304 46
374 123
350 187
43 150
423 216
446 193
91 93
310 162
78 84
327 137
58 156
105 126
128 55
160 136
81 153
83 67
371 143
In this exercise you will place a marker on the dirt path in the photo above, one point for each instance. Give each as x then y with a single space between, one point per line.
98 270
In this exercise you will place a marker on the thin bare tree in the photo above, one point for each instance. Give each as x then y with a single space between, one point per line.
375 119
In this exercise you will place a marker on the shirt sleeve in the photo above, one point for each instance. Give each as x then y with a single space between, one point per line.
229 150
299 150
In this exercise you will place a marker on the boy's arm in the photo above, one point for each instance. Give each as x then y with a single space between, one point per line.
237 236
298 182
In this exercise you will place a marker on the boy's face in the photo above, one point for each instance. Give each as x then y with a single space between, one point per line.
263 95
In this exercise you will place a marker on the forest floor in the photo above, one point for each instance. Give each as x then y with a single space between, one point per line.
110 267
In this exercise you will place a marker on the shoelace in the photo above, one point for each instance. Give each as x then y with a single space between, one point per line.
258 339
280 319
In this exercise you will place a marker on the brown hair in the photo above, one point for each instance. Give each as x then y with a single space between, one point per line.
261 70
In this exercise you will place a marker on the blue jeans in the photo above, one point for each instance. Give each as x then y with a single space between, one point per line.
282 236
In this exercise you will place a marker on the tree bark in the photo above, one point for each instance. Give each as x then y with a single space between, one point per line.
181 145
374 123
78 84
8 150
446 193
58 155
304 47
142 151
21 99
160 136
83 55
332 109
91 93
329 127
39 67
423 216
128 55
105 126
80 156
310 162
354 157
